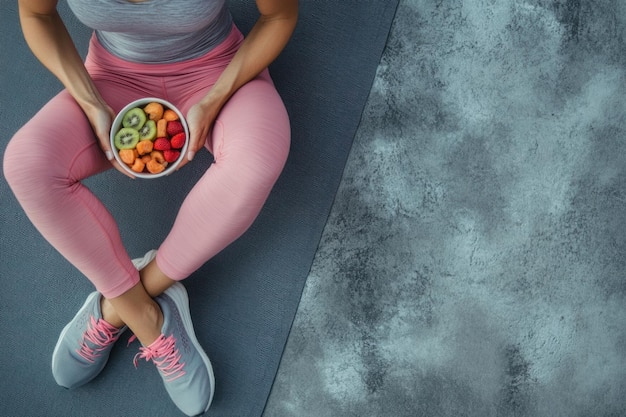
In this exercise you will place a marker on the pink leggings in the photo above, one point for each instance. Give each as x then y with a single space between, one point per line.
48 157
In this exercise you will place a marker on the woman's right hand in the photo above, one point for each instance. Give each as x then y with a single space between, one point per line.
101 118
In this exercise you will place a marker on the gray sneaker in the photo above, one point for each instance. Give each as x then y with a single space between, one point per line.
84 345
184 367
140 263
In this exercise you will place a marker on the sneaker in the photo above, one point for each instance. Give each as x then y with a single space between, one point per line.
184 367
140 263
84 345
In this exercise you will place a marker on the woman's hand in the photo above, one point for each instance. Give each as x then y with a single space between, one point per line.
265 41
200 119
101 118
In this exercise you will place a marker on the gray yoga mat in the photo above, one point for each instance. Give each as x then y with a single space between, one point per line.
244 300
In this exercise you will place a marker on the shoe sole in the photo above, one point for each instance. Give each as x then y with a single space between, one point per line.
69 325
178 294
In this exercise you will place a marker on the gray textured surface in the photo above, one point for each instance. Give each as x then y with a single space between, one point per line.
243 301
473 263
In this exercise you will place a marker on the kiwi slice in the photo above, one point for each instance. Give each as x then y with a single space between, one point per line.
126 138
148 131
134 118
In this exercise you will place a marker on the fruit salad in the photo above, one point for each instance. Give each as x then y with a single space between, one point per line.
150 137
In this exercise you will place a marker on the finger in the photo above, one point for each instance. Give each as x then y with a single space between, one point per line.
196 142
182 163
108 152
106 148
105 145
194 145
191 152
185 159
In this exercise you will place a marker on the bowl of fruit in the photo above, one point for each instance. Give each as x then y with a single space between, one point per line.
149 137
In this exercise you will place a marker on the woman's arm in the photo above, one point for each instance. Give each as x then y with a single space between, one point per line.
264 43
49 40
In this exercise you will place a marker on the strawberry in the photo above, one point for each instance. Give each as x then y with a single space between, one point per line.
171 155
174 127
178 140
162 144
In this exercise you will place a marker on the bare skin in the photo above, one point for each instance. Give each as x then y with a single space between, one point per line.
138 302
49 40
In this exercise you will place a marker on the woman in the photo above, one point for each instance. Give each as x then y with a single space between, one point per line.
190 53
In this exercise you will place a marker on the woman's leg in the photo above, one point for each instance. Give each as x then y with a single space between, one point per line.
44 165
250 142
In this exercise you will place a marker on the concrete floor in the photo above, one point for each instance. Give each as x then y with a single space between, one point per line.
473 263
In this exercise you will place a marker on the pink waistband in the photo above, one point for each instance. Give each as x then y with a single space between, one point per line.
99 57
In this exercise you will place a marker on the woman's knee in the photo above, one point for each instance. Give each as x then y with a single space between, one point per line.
20 159
28 168
55 147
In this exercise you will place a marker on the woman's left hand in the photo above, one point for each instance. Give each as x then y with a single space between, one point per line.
200 119
264 42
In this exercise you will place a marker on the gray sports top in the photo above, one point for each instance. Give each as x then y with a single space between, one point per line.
155 31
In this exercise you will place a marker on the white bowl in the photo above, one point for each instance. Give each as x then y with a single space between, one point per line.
117 124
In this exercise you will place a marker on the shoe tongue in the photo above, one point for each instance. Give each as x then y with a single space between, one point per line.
168 309
97 315
173 320
95 307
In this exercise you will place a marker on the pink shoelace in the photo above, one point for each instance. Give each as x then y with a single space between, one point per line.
100 335
165 356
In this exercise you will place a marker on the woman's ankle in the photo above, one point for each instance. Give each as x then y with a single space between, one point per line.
154 280
148 329
109 314
140 312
